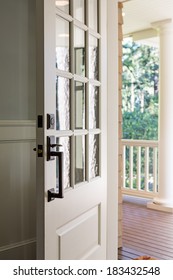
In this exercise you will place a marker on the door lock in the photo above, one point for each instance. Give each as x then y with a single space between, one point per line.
50 121
39 150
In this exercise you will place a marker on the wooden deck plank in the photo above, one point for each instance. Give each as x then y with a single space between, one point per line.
145 231
165 241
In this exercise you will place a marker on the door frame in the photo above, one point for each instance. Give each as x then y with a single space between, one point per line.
112 140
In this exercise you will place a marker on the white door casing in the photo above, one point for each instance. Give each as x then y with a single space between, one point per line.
73 227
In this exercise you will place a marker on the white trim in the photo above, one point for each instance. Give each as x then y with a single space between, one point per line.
95 83
80 79
139 143
95 131
80 25
112 147
138 193
94 33
62 133
17 244
64 74
80 132
63 15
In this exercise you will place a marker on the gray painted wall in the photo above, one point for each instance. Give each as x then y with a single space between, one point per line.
17 139
17 60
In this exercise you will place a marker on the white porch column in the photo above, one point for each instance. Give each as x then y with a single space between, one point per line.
164 200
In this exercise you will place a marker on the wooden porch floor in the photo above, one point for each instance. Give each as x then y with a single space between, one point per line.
145 231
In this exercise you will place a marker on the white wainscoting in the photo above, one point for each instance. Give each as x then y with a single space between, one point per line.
18 189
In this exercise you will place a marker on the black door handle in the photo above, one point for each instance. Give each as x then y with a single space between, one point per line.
51 154
59 192
51 145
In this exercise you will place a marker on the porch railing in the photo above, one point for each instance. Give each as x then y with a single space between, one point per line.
140 167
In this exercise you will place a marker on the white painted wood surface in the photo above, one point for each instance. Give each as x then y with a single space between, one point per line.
149 179
80 217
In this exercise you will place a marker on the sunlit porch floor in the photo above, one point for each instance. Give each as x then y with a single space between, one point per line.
145 231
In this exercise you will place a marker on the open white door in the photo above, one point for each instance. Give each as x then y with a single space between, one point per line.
71 129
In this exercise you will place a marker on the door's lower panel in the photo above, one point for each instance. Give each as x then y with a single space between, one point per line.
87 226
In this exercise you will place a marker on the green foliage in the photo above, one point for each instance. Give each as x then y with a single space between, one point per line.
140 91
138 125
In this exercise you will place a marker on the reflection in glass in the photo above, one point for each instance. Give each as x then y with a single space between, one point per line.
93 58
79 48
62 103
79 105
79 10
93 107
93 14
93 156
79 159
66 148
63 5
62 44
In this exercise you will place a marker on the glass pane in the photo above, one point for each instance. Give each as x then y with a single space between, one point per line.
66 148
62 44
79 105
93 107
79 48
79 10
93 58
93 156
63 5
79 159
62 103
93 14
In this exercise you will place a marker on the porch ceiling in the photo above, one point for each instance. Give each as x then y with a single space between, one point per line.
139 14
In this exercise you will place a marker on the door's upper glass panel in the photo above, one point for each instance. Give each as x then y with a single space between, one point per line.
93 14
66 149
93 58
62 44
79 51
79 105
63 5
79 12
93 107
79 159
93 156
62 103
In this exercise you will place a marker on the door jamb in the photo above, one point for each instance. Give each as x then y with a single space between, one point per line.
112 148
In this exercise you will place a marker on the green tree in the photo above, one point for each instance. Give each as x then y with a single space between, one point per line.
140 91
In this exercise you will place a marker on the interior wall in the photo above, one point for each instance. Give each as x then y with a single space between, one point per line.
17 56
17 129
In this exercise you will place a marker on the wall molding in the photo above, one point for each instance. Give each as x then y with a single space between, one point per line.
18 123
17 131
18 141
17 244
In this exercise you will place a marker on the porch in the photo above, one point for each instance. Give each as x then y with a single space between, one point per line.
145 231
